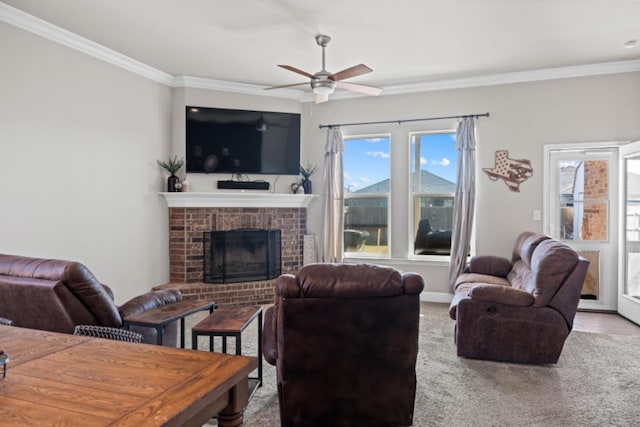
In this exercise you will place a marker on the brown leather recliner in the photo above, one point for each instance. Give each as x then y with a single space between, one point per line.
56 295
344 339
520 310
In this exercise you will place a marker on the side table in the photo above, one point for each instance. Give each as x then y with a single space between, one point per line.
159 317
231 321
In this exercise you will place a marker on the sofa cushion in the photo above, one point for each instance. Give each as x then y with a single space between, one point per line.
474 278
501 295
521 277
551 263
39 303
487 264
525 245
149 301
75 276
349 281
465 282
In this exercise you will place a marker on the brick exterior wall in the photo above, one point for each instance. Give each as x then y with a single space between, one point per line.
186 263
596 186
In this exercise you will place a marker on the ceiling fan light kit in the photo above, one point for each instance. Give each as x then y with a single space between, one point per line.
323 87
323 83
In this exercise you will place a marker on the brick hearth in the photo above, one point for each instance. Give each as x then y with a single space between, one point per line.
186 227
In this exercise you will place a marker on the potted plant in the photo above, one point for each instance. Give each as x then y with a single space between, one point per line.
172 166
306 172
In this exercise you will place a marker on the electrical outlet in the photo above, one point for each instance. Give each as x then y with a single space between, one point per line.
537 215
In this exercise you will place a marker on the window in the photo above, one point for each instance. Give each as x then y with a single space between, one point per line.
584 197
434 162
366 164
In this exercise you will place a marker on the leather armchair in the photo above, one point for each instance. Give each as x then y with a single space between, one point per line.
56 295
344 339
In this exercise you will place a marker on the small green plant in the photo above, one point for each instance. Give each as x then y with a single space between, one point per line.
173 165
307 171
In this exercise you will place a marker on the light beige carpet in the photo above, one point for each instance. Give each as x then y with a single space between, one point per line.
595 383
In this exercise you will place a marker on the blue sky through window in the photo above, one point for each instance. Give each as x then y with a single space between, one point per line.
438 155
366 161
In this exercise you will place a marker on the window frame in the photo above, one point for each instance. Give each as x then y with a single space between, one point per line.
414 197
349 195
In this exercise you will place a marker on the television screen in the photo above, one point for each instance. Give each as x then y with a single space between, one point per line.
242 142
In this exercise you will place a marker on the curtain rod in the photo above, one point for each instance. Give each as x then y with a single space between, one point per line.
475 116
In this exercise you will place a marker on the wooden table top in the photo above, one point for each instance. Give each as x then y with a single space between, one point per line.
62 379
169 312
231 319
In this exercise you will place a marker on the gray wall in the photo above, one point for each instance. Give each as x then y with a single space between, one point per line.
523 118
80 139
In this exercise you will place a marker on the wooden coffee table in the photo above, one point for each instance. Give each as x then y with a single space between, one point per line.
231 321
159 317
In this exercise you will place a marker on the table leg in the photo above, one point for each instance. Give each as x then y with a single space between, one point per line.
231 416
182 332
224 344
260 349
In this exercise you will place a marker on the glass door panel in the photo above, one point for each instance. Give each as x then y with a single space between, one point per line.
629 289
582 201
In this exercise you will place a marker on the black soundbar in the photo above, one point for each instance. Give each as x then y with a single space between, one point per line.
243 185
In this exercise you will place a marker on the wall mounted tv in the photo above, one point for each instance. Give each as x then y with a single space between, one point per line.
242 142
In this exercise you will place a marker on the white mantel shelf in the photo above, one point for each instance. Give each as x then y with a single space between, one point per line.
236 199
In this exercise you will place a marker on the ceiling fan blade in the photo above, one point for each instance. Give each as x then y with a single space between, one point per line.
356 70
367 90
283 86
321 98
297 70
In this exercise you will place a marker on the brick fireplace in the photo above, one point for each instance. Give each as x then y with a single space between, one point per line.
192 214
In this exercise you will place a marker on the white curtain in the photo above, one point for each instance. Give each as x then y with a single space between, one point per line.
465 197
333 208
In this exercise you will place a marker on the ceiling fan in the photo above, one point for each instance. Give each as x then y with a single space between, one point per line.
323 83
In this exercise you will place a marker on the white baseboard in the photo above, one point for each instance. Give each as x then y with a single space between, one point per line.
441 297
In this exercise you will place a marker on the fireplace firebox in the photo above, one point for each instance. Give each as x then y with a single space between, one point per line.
242 255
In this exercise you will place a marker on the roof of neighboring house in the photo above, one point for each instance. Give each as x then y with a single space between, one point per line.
568 177
429 183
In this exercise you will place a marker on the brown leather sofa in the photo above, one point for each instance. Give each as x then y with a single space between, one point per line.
56 295
344 339
520 310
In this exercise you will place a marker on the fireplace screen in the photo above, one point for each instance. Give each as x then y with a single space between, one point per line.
242 255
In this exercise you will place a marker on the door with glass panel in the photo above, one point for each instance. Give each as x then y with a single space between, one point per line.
582 211
629 286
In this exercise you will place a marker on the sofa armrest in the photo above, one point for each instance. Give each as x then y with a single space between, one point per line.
109 291
148 301
269 343
413 283
501 295
490 265
287 286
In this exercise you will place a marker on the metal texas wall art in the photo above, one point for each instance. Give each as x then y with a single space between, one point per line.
513 172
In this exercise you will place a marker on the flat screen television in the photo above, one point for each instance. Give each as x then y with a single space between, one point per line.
222 140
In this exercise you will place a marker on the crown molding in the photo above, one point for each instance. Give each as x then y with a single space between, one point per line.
226 86
518 77
28 22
